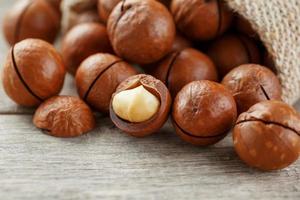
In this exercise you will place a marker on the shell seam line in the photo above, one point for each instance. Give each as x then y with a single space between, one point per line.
20 76
98 76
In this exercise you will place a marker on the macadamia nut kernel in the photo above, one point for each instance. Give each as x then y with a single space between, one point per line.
135 105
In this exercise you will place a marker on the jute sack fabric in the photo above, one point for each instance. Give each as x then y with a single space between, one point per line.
278 24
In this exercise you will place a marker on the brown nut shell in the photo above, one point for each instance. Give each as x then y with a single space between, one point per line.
245 27
180 43
231 51
203 112
89 16
82 41
105 7
31 19
182 67
33 72
141 31
64 116
201 19
251 84
267 136
158 89
98 77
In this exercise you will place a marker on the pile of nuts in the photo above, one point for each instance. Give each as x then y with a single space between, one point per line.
202 64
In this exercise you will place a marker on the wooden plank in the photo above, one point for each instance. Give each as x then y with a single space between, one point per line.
110 164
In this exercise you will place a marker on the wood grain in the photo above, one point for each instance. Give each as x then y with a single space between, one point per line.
107 164
110 164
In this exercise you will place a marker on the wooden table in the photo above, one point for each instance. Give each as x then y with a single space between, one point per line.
109 164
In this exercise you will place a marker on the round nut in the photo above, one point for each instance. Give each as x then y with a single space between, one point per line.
89 16
267 136
251 84
135 105
182 67
244 26
231 51
31 19
203 112
82 41
98 77
201 19
153 124
33 72
64 116
180 43
105 7
141 31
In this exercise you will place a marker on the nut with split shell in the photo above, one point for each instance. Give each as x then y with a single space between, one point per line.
33 71
203 112
233 50
250 84
267 136
182 67
201 19
31 19
141 32
98 77
159 96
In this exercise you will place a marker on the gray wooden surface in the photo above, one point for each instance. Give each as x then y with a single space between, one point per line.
107 164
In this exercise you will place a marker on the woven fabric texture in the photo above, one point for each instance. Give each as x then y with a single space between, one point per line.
278 24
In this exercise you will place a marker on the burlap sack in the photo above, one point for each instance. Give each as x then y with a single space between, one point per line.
278 24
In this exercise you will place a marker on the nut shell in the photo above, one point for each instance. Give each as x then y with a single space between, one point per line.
251 84
203 112
180 43
267 136
82 41
105 7
33 72
182 67
231 51
98 77
157 88
31 19
201 19
64 116
141 31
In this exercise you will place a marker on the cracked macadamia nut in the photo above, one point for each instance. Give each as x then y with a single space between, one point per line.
105 7
267 136
182 67
33 72
250 84
98 77
82 41
141 31
31 19
140 106
231 51
201 19
203 112
64 116
128 103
